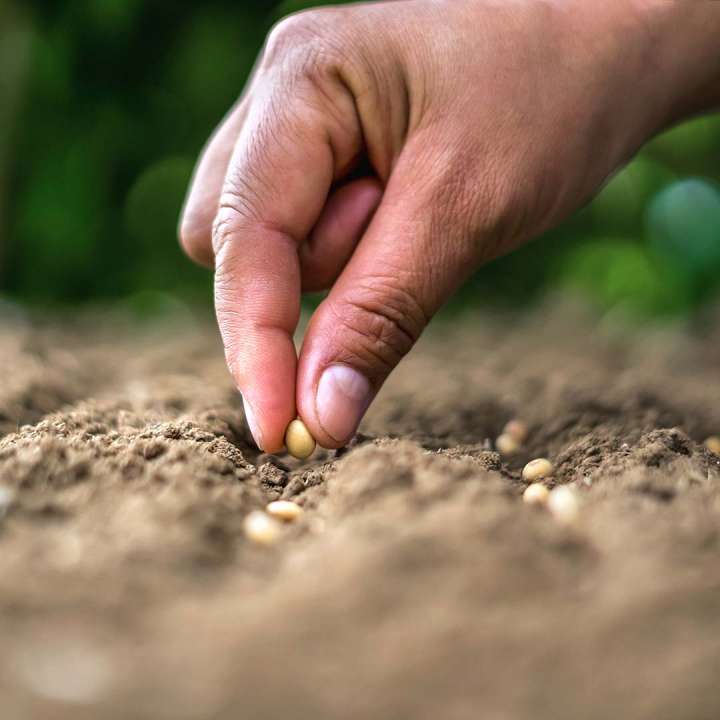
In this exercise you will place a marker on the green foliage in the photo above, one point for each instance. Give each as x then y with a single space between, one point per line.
619 206
617 274
684 226
120 96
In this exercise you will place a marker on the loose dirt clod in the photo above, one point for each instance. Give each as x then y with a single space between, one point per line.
260 528
506 444
285 510
298 440
536 494
713 444
537 469
563 504
516 429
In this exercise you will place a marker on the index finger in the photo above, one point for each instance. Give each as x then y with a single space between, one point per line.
278 180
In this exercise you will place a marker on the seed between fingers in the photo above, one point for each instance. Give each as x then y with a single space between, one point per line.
298 440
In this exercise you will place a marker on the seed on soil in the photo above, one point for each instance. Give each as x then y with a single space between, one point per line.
537 469
563 504
536 494
285 510
507 444
298 440
713 444
260 528
516 429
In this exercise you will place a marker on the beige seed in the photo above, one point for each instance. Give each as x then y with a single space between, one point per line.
563 504
536 494
507 444
284 510
516 429
298 440
713 444
537 469
260 528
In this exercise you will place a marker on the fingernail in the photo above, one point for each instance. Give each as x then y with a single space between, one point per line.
343 396
252 424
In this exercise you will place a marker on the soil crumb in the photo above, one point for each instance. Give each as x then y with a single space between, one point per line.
415 584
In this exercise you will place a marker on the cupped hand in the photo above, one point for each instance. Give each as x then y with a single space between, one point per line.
384 151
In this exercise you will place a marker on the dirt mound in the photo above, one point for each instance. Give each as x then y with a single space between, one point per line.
417 584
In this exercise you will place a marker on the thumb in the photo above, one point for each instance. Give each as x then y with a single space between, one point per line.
399 275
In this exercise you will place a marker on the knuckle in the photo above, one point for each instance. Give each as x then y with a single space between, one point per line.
234 213
226 275
300 30
223 229
303 42
386 321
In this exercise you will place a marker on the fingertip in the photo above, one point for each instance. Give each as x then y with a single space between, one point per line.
194 234
269 406
267 421
252 423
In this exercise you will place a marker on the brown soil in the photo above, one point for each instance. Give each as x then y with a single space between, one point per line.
417 585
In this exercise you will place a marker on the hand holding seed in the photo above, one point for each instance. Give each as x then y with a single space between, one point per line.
383 160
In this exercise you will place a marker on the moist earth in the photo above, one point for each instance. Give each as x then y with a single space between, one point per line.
417 584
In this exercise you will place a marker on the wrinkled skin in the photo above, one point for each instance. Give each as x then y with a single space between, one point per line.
385 151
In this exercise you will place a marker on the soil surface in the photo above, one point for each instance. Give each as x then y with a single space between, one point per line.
417 584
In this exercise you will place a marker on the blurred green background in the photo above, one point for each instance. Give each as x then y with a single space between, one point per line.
105 104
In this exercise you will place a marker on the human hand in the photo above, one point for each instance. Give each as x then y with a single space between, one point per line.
483 123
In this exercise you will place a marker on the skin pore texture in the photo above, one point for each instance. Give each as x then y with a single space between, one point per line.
385 151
